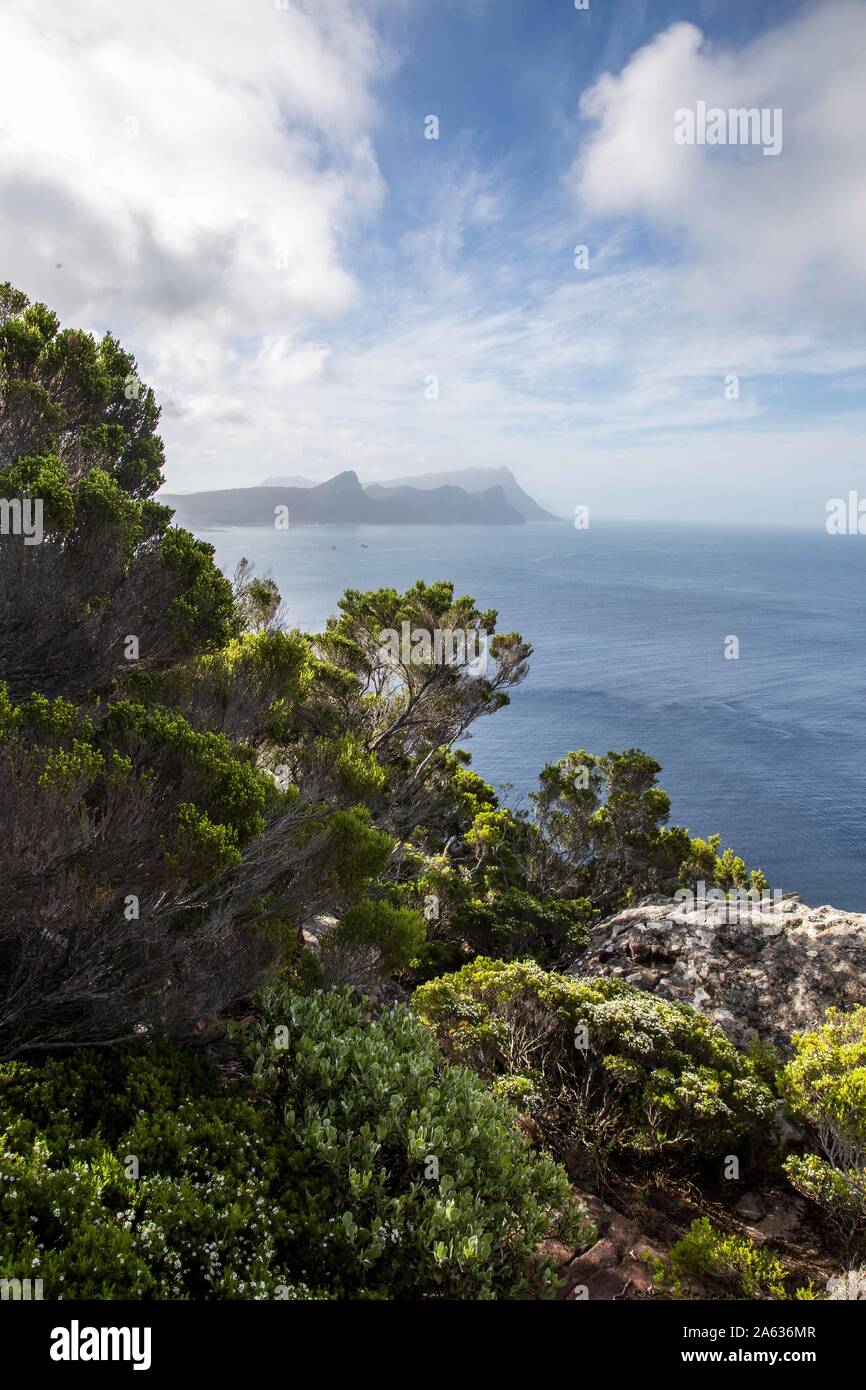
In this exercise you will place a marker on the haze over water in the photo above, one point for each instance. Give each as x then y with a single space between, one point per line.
628 625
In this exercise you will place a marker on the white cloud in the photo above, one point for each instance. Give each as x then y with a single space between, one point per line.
199 165
768 237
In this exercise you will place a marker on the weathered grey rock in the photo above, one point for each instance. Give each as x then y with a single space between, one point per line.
765 969
315 928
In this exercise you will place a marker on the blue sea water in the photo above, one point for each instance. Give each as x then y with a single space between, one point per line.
628 625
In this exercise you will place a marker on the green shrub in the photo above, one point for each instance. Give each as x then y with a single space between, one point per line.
396 934
198 1221
401 1177
738 1265
619 1068
824 1086
515 924
312 1177
438 958
704 864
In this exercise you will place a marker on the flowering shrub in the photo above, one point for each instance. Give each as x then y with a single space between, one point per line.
197 1221
348 1163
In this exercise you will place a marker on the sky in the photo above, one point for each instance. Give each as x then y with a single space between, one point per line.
245 193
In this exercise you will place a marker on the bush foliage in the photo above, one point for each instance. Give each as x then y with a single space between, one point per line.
738 1267
316 1175
824 1086
602 1063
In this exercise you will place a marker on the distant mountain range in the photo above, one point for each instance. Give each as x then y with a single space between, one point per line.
469 496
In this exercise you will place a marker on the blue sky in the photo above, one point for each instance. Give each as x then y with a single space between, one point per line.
244 193
510 74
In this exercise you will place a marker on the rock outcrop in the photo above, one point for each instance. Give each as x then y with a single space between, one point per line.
757 969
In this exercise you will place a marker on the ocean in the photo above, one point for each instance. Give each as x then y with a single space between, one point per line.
629 625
